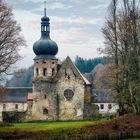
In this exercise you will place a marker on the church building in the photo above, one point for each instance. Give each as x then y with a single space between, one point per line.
60 91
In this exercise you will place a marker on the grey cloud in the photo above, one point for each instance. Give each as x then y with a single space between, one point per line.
87 9
63 7
23 4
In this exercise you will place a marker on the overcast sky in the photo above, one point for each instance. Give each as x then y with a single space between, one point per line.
75 26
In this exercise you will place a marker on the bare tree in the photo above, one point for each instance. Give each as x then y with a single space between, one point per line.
122 32
10 39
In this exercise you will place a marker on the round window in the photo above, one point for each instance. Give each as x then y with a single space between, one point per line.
68 94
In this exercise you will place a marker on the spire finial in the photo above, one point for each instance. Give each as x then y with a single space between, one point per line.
45 8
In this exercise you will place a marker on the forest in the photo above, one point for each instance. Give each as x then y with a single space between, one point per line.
24 77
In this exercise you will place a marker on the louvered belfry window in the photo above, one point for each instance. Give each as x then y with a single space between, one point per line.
68 94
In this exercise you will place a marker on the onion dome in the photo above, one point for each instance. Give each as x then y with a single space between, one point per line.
45 46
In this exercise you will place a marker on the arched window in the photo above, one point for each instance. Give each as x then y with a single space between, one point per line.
48 28
37 72
4 106
41 28
45 111
45 28
68 94
45 96
44 71
52 71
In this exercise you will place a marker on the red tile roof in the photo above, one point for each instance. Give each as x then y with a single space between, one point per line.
30 96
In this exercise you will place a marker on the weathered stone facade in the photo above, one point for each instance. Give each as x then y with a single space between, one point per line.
44 98
68 79
59 91
49 93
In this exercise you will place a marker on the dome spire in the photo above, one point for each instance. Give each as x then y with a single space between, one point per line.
45 47
45 25
45 8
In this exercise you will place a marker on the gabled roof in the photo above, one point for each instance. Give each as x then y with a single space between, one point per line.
103 96
16 94
75 70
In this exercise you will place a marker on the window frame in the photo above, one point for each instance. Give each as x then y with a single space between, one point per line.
44 71
101 106
53 71
109 106
45 96
45 111
16 106
37 71
68 94
4 106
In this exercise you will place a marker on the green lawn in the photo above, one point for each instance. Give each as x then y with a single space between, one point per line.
133 139
50 127
43 129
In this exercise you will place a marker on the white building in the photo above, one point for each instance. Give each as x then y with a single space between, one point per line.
105 101
14 99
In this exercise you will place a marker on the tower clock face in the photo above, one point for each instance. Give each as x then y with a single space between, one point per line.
68 93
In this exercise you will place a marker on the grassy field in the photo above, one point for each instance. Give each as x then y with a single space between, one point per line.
105 128
133 139
50 127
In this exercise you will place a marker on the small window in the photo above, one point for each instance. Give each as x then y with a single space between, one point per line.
37 72
44 71
16 106
48 29
102 106
65 73
36 62
45 111
68 77
52 62
41 28
68 94
4 106
109 106
45 28
45 96
52 71
44 62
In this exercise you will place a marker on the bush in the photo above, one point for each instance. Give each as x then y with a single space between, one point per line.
11 117
5 124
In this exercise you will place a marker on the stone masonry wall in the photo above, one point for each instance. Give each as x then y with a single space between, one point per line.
49 65
44 97
11 106
73 109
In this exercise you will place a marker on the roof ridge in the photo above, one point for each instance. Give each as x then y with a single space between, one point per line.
18 87
74 66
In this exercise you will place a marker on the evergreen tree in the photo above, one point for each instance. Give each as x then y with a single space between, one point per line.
87 65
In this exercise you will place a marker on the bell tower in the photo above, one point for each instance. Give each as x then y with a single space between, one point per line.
45 70
45 49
